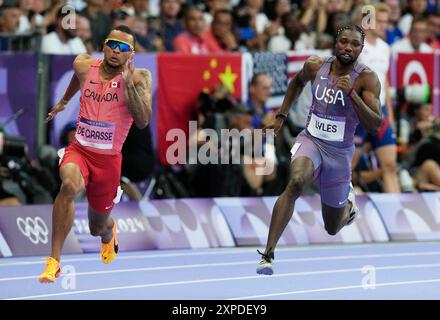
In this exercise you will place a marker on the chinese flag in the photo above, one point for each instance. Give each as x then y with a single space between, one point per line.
181 78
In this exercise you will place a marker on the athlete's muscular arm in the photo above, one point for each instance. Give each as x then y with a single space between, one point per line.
367 103
298 82
138 94
296 85
80 66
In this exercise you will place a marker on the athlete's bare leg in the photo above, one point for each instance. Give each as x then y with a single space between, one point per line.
301 178
335 218
387 156
101 224
64 207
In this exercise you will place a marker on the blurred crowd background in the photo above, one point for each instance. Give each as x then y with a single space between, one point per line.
221 26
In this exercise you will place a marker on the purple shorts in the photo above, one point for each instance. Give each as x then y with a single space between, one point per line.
331 165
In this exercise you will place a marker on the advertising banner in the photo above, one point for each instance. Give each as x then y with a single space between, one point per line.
27 230
187 223
410 216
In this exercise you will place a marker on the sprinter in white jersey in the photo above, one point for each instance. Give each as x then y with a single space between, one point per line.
376 55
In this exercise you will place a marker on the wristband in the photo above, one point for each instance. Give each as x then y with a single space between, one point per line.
281 116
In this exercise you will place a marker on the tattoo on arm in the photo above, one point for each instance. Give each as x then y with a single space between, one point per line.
139 100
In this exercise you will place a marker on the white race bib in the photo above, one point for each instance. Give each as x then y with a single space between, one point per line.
95 134
326 129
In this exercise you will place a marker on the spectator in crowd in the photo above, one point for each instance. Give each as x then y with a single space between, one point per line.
49 10
29 19
222 31
277 9
434 30
260 90
170 25
292 31
414 127
62 40
249 38
9 19
255 9
416 8
84 32
99 21
212 7
194 39
140 9
426 165
314 15
6 198
416 40
393 33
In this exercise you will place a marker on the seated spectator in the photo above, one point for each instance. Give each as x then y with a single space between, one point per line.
62 41
29 19
9 19
99 21
276 10
84 32
425 165
140 9
416 40
222 32
212 7
393 33
194 39
261 19
260 90
170 25
287 40
416 8
434 31
6 198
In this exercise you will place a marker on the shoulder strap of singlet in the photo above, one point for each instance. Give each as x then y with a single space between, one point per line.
96 63
357 70
325 68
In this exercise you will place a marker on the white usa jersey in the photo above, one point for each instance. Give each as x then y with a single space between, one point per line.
377 58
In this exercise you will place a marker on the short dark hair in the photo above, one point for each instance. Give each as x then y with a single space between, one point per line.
418 19
257 75
125 29
191 8
351 27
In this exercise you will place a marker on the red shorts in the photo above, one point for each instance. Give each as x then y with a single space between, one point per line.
101 173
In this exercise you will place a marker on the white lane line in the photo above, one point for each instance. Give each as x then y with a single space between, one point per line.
186 282
221 251
239 263
385 284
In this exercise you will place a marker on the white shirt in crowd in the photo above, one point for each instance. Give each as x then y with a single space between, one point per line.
404 23
377 58
52 44
404 46
280 43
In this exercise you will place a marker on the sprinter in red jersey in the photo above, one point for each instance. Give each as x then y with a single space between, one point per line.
113 95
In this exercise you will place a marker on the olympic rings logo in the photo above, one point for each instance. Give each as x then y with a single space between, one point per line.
34 229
